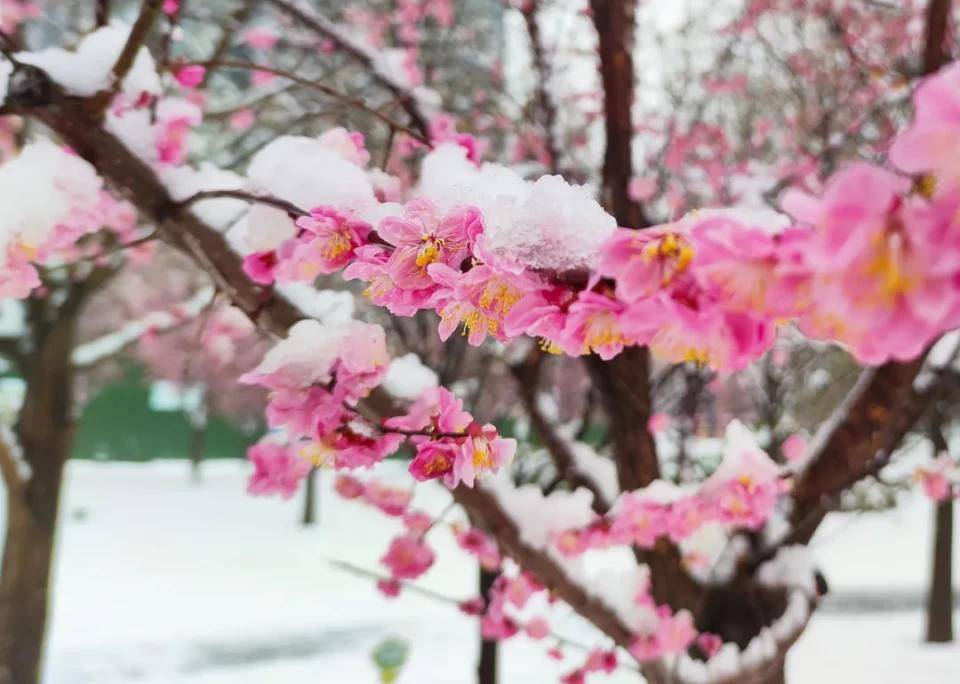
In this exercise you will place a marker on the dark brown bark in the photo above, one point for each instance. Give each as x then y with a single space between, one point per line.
45 432
546 108
614 21
487 662
940 597
935 53
882 407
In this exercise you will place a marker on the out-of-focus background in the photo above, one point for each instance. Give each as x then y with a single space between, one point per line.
165 579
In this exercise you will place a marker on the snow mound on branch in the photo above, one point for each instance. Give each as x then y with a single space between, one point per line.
89 69
6 68
309 173
742 455
793 567
306 355
547 224
611 576
601 471
408 378
332 307
40 187
184 181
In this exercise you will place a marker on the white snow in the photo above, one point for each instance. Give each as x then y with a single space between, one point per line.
547 224
89 69
408 378
310 173
40 187
160 581
793 567
184 181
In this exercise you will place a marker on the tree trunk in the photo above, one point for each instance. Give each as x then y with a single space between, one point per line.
940 597
197 421
310 499
776 675
487 664
45 432
196 447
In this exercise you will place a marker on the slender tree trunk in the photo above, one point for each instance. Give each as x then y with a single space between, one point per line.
196 447
777 674
197 420
940 597
487 664
45 432
310 499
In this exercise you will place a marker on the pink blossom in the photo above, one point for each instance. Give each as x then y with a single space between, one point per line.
276 470
537 628
259 77
422 236
407 558
434 460
595 324
171 7
541 313
739 266
261 267
932 142
242 119
480 299
474 606
326 243
350 145
393 501
659 423
482 451
709 644
643 262
641 189
477 543
417 522
190 76
260 37
348 487
389 588
794 447
938 478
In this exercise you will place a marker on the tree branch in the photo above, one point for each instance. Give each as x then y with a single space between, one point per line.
323 27
527 375
614 21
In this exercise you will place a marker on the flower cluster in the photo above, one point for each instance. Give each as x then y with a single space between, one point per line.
316 378
741 493
449 444
53 200
871 262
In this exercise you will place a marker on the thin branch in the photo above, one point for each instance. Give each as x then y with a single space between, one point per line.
292 209
328 30
136 40
527 375
316 85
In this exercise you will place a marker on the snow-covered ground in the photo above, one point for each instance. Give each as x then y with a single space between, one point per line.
163 581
